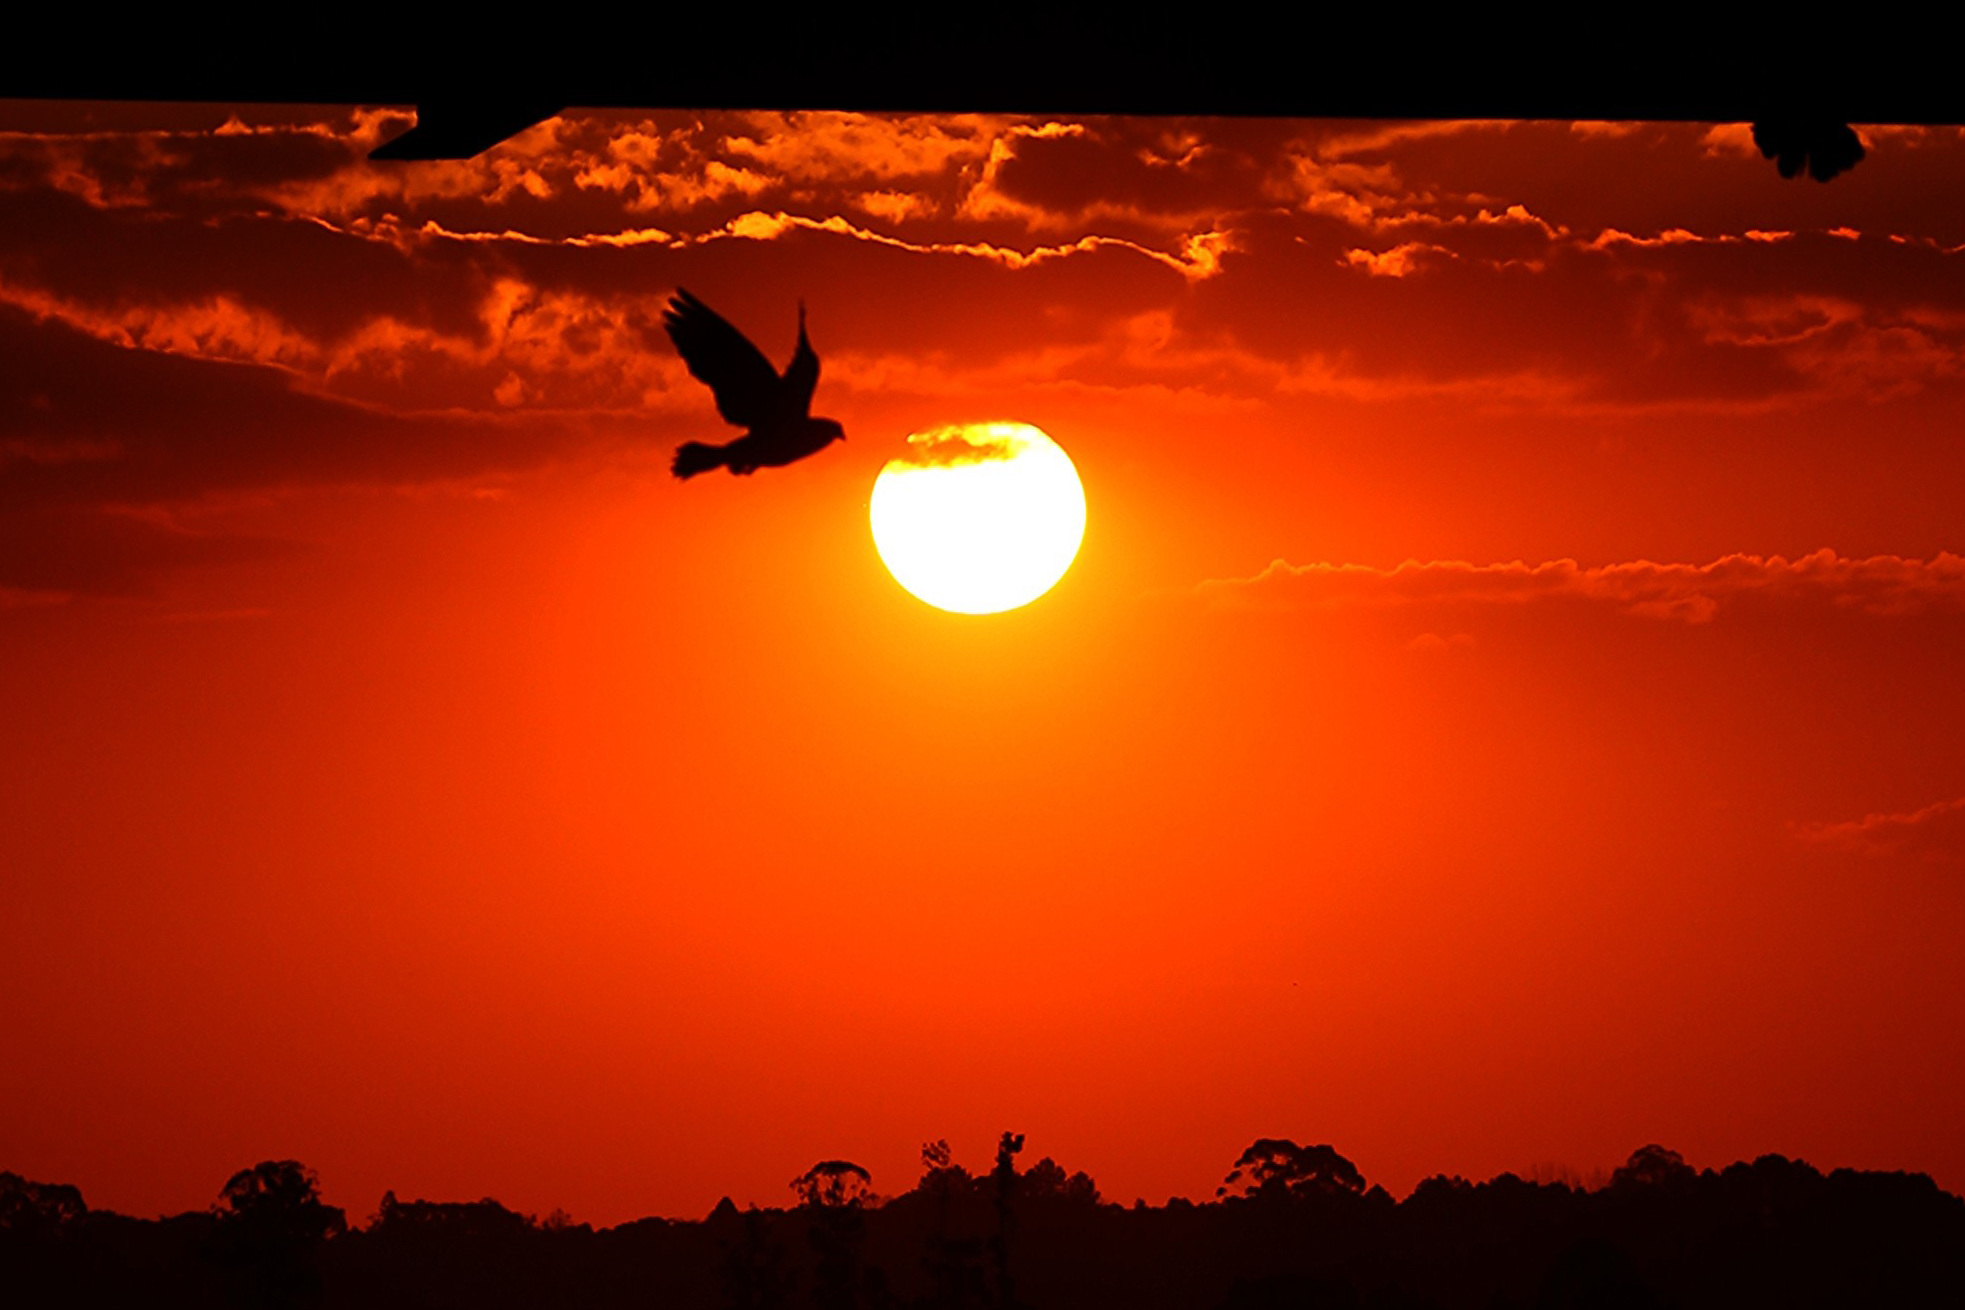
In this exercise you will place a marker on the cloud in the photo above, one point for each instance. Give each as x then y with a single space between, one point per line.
1363 179
1591 127
1199 255
1678 236
1406 258
1686 593
1772 320
96 424
1936 833
556 177
1376 264
830 146
1730 139
894 206
1138 177
1361 196
207 170
1345 141
60 553
958 444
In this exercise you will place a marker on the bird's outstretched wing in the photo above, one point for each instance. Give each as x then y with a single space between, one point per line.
802 374
748 390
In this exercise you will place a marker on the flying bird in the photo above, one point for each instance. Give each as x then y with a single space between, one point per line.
749 393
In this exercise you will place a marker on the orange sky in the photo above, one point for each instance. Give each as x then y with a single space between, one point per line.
1505 710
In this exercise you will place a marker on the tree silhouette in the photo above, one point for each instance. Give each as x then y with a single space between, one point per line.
833 1184
1047 1181
1653 1166
1771 1232
1276 1167
271 1223
279 1197
1003 1183
30 1207
832 1193
952 1256
462 1221
753 1266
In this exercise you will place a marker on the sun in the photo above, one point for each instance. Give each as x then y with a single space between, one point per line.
979 517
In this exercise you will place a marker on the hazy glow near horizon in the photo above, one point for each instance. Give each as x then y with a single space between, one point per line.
980 518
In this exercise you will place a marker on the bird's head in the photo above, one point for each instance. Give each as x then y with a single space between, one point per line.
830 429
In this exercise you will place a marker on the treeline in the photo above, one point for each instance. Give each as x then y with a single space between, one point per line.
1290 1226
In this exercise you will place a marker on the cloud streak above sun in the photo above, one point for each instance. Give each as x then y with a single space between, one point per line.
958 444
1228 269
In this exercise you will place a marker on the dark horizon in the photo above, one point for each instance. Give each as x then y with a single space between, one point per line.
1290 1225
1244 1175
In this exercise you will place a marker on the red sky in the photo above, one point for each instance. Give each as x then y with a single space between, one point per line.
1505 711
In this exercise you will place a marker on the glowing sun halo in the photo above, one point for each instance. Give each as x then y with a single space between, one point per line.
979 517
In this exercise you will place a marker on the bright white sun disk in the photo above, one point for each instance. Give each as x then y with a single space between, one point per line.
982 517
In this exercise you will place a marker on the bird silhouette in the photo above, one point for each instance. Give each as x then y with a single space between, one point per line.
749 393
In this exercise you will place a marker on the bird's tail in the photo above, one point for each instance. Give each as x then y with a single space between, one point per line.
693 457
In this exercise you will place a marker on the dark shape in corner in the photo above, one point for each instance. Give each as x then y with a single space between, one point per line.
749 393
1822 146
458 129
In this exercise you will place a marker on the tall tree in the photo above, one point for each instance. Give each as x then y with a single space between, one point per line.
1276 1167
832 1193
271 1224
1003 1185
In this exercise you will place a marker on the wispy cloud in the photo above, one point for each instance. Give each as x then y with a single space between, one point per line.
1936 832
1198 255
1678 236
57 555
1689 593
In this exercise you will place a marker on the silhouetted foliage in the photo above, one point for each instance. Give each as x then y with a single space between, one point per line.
1653 1166
278 1200
271 1224
1301 1230
1003 1187
831 1194
831 1184
753 1269
1276 1167
39 1208
1046 1181
1594 1275
456 1222
952 1256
